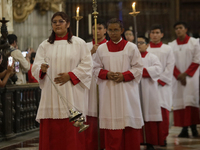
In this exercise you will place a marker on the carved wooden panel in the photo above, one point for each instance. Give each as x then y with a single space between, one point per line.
190 13
152 11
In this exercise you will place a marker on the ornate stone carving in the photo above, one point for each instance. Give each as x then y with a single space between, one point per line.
22 8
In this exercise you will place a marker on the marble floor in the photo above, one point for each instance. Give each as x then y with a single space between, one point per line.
30 142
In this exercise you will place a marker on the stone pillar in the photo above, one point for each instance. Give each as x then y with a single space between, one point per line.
7 12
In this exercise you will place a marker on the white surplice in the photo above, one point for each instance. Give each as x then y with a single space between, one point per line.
185 54
150 93
92 93
166 57
63 57
119 102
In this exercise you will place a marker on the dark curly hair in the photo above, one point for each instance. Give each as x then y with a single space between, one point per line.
66 18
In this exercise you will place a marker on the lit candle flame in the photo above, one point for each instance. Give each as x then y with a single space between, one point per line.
133 6
77 12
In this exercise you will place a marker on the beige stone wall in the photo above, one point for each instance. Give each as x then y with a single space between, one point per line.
6 11
35 29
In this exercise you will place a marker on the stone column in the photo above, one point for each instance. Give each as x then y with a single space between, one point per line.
7 12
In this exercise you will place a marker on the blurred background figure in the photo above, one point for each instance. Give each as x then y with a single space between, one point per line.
21 64
28 54
6 73
129 35
31 79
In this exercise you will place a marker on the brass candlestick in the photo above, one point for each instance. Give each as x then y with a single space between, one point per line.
77 17
95 14
134 14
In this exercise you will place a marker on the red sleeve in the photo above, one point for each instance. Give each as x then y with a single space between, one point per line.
42 75
31 78
192 69
176 72
103 74
128 76
161 82
145 73
74 78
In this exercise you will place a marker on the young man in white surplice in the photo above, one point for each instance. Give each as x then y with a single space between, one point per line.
150 94
186 80
165 54
118 69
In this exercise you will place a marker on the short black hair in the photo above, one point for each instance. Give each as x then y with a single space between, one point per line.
181 23
157 26
32 56
115 20
129 30
100 21
145 38
12 38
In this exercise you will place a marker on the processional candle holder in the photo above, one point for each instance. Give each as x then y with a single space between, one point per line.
77 17
95 14
74 115
134 13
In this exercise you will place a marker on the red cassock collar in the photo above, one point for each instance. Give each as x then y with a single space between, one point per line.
143 54
112 47
184 41
152 45
61 38
104 41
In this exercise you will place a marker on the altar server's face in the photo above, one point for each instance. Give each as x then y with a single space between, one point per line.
129 35
142 45
180 30
101 31
60 26
156 36
114 31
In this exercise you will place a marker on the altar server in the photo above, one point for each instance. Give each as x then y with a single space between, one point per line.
151 107
118 69
70 67
92 132
166 57
186 80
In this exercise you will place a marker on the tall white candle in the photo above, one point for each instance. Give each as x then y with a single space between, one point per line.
77 26
89 24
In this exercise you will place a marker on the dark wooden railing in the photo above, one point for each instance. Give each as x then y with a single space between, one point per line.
18 108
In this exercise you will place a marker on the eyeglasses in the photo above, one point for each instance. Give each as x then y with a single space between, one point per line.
113 31
140 42
129 34
54 22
